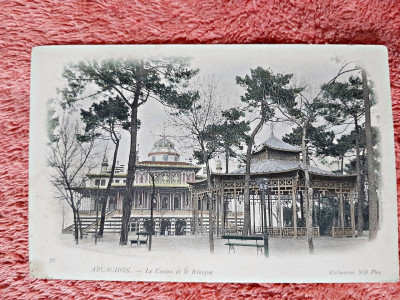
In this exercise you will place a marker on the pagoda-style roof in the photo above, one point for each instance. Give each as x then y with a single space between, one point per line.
277 144
274 166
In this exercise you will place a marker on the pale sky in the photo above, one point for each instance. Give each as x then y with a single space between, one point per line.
311 65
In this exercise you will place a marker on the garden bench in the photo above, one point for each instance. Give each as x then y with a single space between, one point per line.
233 238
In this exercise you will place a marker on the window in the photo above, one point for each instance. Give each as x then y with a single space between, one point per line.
177 203
153 158
135 225
103 182
112 204
97 182
124 181
117 181
176 158
165 157
164 202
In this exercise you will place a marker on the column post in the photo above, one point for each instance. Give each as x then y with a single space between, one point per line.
234 195
353 225
341 210
294 207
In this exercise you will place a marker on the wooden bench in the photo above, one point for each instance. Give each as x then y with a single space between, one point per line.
244 238
140 241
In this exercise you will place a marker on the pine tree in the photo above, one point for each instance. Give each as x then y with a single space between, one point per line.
230 134
135 82
103 120
262 89
345 104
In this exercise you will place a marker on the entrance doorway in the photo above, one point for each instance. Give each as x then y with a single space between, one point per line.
165 227
180 227
147 226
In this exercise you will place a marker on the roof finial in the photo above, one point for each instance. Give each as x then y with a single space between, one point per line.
164 135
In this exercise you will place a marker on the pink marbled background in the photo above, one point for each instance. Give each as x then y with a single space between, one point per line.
25 24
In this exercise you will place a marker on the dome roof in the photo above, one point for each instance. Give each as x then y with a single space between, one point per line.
164 143
164 147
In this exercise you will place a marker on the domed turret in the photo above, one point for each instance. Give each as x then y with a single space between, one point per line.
164 150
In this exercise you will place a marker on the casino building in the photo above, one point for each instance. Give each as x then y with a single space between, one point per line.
173 211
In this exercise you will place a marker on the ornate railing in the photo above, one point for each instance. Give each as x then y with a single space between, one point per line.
278 231
340 232
289 231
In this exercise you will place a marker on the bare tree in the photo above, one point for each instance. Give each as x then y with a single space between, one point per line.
303 112
71 160
196 123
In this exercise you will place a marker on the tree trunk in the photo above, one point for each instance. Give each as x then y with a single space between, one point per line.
79 223
130 178
247 220
250 142
363 178
342 164
302 208
107 195
76 216
226 160
372 188
153 196
210 204
359 189
76 234
309 191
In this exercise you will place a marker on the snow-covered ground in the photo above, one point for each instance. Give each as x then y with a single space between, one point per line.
188 258
200 244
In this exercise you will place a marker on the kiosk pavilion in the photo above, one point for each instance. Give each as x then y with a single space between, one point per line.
173 208
279 163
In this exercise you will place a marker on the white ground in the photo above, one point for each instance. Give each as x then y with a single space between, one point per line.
187 258
199 244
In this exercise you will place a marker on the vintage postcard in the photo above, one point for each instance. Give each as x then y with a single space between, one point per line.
212 163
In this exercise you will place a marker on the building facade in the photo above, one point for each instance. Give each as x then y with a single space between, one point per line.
172 206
